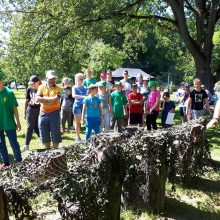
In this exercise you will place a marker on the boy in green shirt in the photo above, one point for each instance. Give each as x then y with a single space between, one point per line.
8 126
89 80
119 106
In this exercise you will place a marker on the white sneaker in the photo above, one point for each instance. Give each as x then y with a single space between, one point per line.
25 148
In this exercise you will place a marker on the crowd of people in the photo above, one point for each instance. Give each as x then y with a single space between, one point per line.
51 110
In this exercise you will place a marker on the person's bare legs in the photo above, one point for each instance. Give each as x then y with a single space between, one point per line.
77 124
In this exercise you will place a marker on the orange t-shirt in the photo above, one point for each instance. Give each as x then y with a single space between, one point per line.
44 91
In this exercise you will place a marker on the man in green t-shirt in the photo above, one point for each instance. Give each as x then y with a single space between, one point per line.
8 126
119 106
89 80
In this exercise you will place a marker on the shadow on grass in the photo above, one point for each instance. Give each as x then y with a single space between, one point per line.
182 211
205 185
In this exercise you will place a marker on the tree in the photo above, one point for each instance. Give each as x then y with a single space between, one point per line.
193 20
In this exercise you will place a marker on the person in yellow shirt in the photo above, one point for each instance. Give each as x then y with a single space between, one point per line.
48 95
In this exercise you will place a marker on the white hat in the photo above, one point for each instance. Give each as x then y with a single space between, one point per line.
50 74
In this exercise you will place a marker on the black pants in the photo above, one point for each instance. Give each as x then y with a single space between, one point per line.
32 123
151 120
66 116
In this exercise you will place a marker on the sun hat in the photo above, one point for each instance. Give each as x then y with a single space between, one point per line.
34 79
151 84
102 83
50 74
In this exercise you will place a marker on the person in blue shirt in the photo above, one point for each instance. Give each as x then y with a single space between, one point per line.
167 106
92 112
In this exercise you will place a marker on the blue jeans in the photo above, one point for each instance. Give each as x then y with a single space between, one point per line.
12 137
92 124
49 127
106 117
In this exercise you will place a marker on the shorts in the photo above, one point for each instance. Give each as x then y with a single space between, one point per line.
77 110
136 118
49 127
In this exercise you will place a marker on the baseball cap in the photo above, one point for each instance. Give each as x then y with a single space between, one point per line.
102 83
92 86
146 78
151 84
103 74
2 75
34 79
70 80
50 74
118 83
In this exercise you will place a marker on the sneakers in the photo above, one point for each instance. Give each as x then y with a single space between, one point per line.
25 148
78 140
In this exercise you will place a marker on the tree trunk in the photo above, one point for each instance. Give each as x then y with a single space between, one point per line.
203 72
3 206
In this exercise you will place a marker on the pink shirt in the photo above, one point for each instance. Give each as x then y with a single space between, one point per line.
152 100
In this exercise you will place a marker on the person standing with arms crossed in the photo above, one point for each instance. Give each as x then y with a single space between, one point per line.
48 96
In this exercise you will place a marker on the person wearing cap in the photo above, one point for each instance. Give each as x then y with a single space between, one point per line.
106 104
79 92
48 95
198 98
167 106
152 107
119 106
89 80
92 112
9 123
135 106
31 110
216 116
66 109
103 77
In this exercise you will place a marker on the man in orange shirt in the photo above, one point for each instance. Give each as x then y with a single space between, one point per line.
48 95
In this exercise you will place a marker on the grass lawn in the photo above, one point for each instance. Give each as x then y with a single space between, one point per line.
201 200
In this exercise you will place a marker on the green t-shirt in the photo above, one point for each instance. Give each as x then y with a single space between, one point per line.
88 82
7 104
118 100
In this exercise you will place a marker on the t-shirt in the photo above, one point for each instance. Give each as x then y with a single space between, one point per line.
7 104
45 91
145 92
118 101
167 107
79 91
126 87
135 108
67 102
31 95
88 82
92 107
152 100
104 99
197 99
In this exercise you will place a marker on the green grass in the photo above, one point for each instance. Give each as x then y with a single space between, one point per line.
198 201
